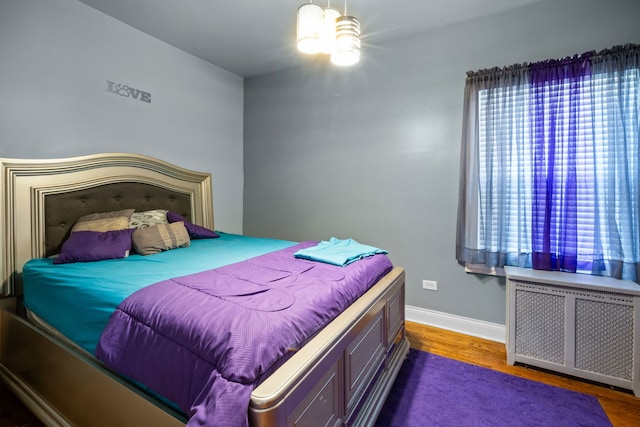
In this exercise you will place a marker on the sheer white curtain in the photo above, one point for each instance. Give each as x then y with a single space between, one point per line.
495 169
616 103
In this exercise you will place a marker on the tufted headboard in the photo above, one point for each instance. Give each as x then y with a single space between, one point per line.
62 209
41 199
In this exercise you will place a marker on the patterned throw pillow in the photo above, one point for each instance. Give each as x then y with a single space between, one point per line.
159 238
148 218
105 221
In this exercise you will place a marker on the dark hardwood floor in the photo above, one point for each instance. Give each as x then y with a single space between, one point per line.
622 408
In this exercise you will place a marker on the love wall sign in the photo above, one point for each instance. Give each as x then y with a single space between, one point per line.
128 91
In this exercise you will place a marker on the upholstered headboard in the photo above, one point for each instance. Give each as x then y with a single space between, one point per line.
41 199
61 210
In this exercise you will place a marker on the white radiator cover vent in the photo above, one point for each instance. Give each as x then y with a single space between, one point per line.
576 324
540 325
596 339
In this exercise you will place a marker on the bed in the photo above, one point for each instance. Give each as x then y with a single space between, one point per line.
336 374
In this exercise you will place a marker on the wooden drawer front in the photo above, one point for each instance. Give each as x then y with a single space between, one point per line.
363 358
321 407
395 315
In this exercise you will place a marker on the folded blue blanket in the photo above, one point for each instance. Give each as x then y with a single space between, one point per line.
338 251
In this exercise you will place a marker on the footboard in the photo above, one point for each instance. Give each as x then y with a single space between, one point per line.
343 376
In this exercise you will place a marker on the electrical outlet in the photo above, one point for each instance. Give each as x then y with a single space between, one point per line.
431 285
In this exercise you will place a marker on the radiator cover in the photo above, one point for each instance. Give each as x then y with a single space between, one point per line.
575 324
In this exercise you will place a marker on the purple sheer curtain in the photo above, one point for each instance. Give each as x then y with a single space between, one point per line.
557 110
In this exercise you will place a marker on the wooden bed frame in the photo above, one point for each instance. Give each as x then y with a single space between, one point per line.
340 377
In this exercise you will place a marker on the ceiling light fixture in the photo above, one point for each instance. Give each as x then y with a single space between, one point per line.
310 19
326 31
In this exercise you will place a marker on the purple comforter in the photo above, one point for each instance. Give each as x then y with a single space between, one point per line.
206 340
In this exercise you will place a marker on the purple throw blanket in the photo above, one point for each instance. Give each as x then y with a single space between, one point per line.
206 340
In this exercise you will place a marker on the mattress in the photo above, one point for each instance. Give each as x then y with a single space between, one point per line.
203 325
78 299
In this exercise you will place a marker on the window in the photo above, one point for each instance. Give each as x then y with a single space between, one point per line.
550 171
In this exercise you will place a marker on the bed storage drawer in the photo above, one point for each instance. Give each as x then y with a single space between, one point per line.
322 404
363 358
395 316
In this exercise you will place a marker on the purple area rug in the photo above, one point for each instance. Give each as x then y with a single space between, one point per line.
436 391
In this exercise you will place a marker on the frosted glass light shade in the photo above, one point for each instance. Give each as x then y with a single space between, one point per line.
310 21
328 35
347 49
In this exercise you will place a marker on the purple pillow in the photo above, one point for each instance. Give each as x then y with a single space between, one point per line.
195 231
86 246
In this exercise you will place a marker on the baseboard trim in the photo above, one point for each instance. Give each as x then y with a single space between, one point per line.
451 322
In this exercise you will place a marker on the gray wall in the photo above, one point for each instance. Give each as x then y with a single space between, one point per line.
55 59
372 152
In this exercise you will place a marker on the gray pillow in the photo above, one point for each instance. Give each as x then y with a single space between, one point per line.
161 237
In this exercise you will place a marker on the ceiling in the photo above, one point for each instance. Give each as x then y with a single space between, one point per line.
251 37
